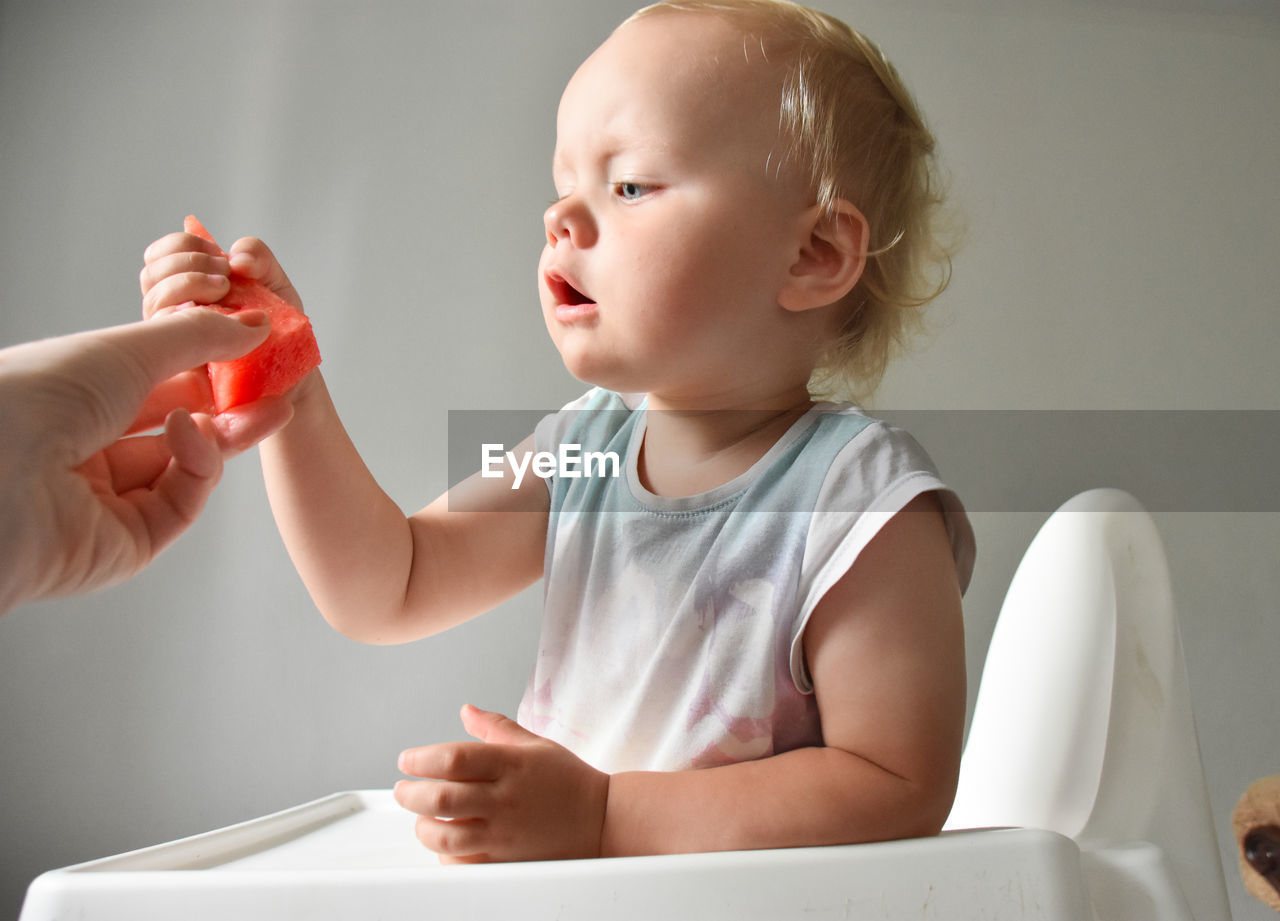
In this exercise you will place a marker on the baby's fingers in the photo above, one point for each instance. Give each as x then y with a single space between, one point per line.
458 761
178 290
181 263
454 840
253 259
444 799
181 278
179 242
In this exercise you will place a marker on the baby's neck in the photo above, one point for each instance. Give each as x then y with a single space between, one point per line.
690 451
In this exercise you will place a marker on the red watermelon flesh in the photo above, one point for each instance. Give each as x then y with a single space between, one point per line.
274 367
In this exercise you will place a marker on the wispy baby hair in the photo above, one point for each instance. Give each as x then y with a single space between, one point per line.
850 121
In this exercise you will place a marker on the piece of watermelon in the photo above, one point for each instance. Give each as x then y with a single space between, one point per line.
274 367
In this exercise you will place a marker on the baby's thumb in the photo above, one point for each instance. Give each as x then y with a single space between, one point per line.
250 258
494 727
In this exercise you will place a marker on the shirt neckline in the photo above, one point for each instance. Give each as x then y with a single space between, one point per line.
718 495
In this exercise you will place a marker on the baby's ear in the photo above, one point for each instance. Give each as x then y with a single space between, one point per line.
831 257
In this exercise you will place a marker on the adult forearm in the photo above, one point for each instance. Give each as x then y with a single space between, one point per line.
350 543
811 796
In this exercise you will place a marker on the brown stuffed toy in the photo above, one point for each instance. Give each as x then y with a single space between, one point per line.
1256 823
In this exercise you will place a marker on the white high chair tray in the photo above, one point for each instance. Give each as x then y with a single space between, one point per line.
353 856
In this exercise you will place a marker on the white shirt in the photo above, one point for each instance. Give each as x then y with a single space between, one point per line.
672 627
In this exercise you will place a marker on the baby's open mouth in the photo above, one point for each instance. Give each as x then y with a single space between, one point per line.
565 293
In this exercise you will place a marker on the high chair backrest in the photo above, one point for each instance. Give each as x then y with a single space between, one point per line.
1083 720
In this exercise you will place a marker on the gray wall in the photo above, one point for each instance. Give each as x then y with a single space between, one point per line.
1116 161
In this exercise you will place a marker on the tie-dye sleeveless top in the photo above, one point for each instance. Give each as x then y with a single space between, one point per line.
672 627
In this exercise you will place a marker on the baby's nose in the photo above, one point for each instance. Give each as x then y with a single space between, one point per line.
568 220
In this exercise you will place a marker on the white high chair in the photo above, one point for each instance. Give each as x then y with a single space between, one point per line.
1082 743
1083 721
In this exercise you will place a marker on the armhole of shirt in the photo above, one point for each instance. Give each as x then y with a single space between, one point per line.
836 538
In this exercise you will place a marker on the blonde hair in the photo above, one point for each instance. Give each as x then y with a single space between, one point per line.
852 123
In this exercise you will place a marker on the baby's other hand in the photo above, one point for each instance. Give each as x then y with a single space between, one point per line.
512 796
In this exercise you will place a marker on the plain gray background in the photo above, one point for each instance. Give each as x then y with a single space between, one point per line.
1117 163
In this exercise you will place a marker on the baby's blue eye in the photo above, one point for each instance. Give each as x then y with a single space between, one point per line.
630 191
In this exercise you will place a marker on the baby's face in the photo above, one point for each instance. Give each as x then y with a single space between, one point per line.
675 222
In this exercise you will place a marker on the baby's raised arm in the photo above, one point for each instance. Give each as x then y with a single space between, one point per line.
375 574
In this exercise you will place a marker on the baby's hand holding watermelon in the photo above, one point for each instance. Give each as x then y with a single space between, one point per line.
191 267
180 269
251 259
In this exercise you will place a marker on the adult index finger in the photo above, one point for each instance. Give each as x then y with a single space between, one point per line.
162 347
80 392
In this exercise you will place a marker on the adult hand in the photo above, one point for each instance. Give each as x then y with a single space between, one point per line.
82 507
511 796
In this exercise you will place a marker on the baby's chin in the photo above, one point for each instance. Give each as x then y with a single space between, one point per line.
593 370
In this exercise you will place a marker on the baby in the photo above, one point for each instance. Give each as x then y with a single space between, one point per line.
752 635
